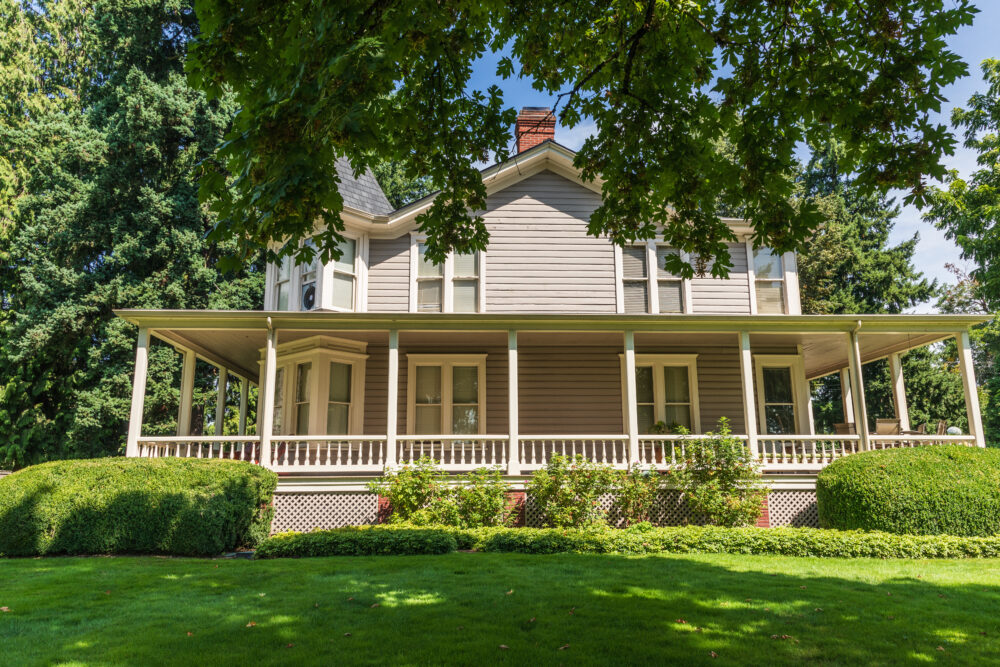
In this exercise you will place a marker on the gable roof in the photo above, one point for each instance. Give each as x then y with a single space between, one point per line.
361 192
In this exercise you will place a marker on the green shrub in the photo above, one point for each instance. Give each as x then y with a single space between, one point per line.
359 541
637 489
640 539
568 491
409 488
936 489
721 480
117 505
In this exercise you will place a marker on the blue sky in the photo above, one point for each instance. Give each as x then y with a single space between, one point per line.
974 44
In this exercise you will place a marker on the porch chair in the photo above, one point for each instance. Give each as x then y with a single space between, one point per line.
942 427
845 428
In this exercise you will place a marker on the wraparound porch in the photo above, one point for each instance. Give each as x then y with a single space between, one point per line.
546 385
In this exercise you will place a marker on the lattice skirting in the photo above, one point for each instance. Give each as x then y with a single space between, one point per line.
793 508
306 511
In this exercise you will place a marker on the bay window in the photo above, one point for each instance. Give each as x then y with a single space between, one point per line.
307 281
345 276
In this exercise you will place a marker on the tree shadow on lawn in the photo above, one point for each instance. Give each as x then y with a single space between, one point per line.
463 607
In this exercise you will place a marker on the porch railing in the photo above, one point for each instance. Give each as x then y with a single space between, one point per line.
369 453
239 447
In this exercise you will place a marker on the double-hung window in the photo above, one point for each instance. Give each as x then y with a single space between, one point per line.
782 393
769 278
308 274
345 275
338 409
454 286
667 391
302 394
647 286
282 283
446 394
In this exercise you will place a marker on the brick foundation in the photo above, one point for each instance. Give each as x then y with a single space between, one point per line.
384 510
516 503
764 520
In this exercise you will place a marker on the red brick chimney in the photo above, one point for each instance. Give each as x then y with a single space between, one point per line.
534 125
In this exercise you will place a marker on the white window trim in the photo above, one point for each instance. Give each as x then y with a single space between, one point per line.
320 351
448 277
658 361
800 388
324 281
789 281
446 362
653 278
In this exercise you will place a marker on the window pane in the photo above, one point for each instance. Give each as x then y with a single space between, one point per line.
337 419
680 415
428 385
346 261
767 264
465 419
283 296
646 417
302 382
307 301
644 384
634 261
429 296
466 265
340 382
428 419
770 297
285 268
675 383
780 418
662 252
465 386
277 422
424 266
302 419
466 296
314 262
777 385
343 291
635 296
671 300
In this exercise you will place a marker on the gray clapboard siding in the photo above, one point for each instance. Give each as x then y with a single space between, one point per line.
730 296
389 275
540 257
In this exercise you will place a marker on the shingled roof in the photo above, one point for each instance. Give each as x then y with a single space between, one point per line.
361 192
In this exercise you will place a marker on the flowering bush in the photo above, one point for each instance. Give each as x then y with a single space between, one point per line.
410 488
568 491
721 480
637 491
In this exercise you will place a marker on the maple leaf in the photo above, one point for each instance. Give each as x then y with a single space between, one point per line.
940 648
510 592
680 620
564 647
504 647
347 634
5 609
713 654
190 634
532 620
376 605
252 624
289 645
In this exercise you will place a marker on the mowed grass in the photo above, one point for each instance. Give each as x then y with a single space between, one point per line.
465 607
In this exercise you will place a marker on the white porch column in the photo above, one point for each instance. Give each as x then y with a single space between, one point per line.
632 417
244 399
846 395
265 401
899 391
749 397
138 393
187 393
513 450
858 390
971 389
220 402
392 399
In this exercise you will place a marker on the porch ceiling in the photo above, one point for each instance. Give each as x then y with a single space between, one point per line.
234 338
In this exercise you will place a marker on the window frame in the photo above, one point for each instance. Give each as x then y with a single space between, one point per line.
653 279
800 390
448 278
789 279
360 301
659 362
446 362
324 281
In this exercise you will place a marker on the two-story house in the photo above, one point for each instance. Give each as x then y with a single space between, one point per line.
550 341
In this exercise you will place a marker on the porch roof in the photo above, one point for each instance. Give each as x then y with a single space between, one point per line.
233 338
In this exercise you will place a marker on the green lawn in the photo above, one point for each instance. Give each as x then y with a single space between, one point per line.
463 607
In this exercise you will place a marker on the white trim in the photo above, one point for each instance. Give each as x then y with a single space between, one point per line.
619 287
414 258
265 398
362 275
793 302
482 281
846 395
971 389
751 274
858 388
359 303
800 388
187 391
899 391
749 397
630 396
446 362
220 401
447 277
138 393
244 404
658 363
392 399
513 419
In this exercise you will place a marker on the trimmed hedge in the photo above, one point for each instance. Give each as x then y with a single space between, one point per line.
150 506
931 490
359 541
381 540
